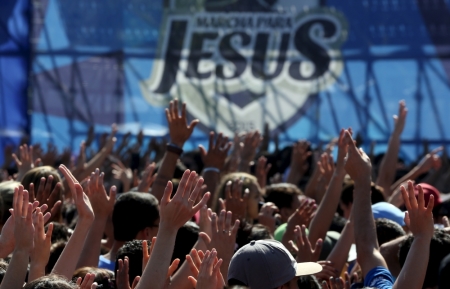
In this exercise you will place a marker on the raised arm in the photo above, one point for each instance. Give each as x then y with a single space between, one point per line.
179 131
67 262
388 167
359 168
41 251
102 205
419 219
214 161
23 234
327 207
174 213
299 162
339 255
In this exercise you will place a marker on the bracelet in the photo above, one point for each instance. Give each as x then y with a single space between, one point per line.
211 169
173 148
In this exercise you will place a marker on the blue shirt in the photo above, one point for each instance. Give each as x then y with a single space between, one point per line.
104 263
379 277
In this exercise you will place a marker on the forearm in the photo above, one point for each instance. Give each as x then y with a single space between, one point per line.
5 250
364 229
294 176
388 167
339 254
244 165
36 271
180 277
310 189
155 273
327 208
211 180
66 264
413 272
17 270
411 175
94 163
91 250
165 174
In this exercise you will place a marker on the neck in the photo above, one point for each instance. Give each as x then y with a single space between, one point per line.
112 254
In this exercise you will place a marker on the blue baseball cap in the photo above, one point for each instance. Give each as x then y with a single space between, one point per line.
388 211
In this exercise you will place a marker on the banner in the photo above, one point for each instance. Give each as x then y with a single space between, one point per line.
14 67
307 68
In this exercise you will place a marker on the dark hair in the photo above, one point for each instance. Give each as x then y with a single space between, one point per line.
259 232
439 248
132 250
444 273
376 196
60 232
55 251
50 282
388 230
186 238
236 282
7 195
103 277
132 213
282 195
338 224
308 282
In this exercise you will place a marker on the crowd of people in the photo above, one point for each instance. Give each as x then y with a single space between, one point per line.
233 215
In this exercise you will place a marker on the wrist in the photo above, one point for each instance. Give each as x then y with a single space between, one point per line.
166 229
213 169
178 144
423 238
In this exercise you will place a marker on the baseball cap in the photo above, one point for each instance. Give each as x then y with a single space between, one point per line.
267 264
388 211
429 190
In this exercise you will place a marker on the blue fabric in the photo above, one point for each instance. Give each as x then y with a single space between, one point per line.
379 277
104 263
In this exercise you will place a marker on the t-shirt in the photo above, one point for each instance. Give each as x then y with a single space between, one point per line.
379 277
104 263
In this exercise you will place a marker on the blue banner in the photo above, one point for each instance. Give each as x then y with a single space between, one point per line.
307 68
14 68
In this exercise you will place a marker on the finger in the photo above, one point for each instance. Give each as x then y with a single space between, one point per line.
202 202
25 198
196 258
214 223
325 285
192 267
420 201
152 245
228 221
48 186
167 193
221 221
211 141
235 229
112 194
445 222
135 282
31 192
40 190
197 190
405 196
222 204
205 237
55 195
228 190
193 281
173 267
430 205
436 150
317 250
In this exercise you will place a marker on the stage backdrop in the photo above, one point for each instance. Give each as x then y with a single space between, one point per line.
305 67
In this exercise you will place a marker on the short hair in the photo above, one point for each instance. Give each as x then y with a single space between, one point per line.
36 174
3 268
388 230
259 232
338 224
444 273
55 251
376 196
7 195
60 232
50 282
282 195
132 250
247 181
103 277
132 213
186 238
308 282
439 248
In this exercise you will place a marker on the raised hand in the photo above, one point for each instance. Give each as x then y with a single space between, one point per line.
179 129
430 161
122 277
217 151
26 161
147 178
234 201
303 214
208 276
23 223
84 207
326 167
335 283
87 282
251 143
50 156
223 237
267 216
328 271
41 251
146 253
299 157
46 196
400 119
261 171
357 163
175 212
419 217
303 248
101 203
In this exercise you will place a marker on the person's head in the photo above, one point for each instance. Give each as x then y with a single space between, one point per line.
267 264
132 250
388 230
347 197
439 199
60 232
286 197
248 182
103 277
308 282
35 175
6 194
384 210
50 282
259 232
439 248
55 251
186 238
135 216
